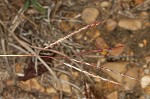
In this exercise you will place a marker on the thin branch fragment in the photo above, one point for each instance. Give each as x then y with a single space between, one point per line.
73 33
90 74
104 68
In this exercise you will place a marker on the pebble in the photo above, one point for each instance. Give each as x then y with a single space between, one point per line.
111 25
92 34
115 66
147 59
89 15
141 45
121 67
147 91
130 24
144 15
145 81
104 4
50 90
146 71
65 86
75 74
142 97
31 84
130 84
100 43
113 94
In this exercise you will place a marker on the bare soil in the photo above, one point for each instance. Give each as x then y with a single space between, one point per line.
73 67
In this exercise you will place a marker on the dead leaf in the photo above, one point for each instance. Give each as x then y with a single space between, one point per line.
117 50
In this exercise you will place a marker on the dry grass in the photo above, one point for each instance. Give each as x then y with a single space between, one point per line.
30 31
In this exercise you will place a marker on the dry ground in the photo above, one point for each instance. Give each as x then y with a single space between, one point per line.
109 59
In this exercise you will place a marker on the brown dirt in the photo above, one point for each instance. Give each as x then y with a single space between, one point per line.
27 25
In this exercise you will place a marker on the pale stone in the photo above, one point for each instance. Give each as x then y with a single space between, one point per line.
111 25
144 15
130 24
141 45
104 4
145 81
65 86
100 43
119 67
50 90
147 58
113 95
89 15
130 83
31 84
146 71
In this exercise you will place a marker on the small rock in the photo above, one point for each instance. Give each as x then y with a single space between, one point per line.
145 81
141 45
145 42
65 86
50 90
56 96
111 25
144 15
145 66
97 80
9 82
89 15
31 85
92 34
75 74
146 71
19 69
121 67
130 24
147 58
113 95
104 4
32 11
115 66
131 83
142 97
146 24
147 90
66 27
78 36
100 43
4 75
